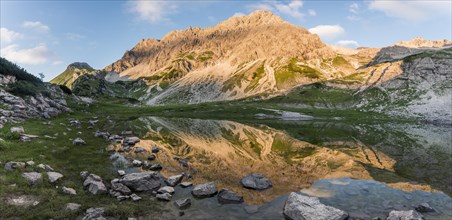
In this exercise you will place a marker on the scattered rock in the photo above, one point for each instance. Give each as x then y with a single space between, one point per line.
78 141
304 207
166 189
140 150
151 157
164 196
226 196
174 180
145 181
183 162
54 176
73 207
156 167
69 191
94 214
256 181
131 141
27 137
10 166
405 215
205 190
32 177
137 163
121 172
45 167
95 184
155 149
424 207
84 174
30 163
19 130
127 133
186 184
251 209
135 197
183 203
22 200
121 188
121 198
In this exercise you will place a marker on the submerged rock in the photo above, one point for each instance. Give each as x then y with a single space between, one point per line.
227 196
405 215
32 177
424 207
186 184
166 189
137 163
182 203
164 196
256 181
304 207
205 190
145 181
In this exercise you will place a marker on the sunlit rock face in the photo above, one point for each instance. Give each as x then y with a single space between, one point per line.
226 151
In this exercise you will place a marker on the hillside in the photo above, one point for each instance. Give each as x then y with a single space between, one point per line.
72 72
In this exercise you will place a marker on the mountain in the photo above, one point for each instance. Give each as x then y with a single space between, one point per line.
72 72
262 57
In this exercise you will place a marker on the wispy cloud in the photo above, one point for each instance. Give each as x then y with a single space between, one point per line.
412 11
292 8
74 36
353 8
36 25
8 36
36 55
312 12
153 11
328 32
348 43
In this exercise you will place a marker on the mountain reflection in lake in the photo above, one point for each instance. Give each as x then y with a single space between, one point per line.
294 155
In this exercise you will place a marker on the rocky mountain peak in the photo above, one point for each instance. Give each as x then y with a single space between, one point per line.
259 17
80 65
419 42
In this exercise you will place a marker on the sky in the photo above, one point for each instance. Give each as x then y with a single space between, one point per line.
46 36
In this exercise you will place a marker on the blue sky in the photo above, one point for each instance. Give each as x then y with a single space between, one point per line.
46 36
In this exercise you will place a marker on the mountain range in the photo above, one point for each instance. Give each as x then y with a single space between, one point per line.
261 56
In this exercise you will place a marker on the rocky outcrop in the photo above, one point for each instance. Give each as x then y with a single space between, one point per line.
405 215
299 207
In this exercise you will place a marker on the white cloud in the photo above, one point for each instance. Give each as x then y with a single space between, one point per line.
74 36
153 11
328 32
311 12
36 25
353 18
412 10
238 14
348 43
8 36
58 62
353 8
36 55
291 9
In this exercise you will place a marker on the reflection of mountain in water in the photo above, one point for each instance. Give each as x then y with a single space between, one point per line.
225 151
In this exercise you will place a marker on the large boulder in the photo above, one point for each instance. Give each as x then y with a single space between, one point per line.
256 181
300 207
121 188
32 177
95 184
226 196
145 181
205 190
405 215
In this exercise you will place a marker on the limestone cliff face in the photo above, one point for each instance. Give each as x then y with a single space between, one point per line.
261 35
